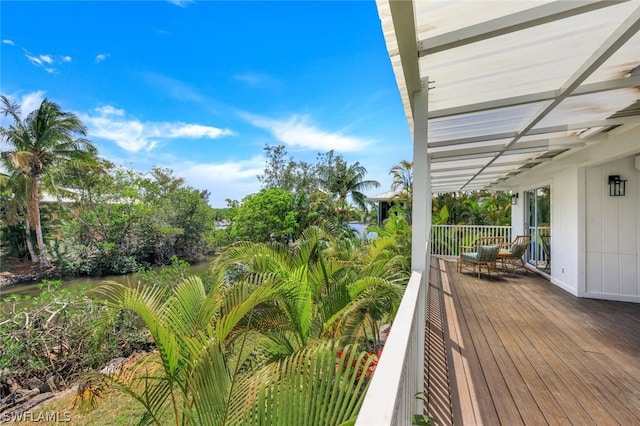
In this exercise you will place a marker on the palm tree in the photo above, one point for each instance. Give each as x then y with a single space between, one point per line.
16 204
302 272
375 286
348 181
403 182
44 139
205 371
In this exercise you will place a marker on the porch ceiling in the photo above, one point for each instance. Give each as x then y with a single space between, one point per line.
512 84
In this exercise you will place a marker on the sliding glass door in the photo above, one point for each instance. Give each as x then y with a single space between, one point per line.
539 217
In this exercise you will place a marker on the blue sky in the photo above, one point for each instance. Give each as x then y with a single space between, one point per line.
202 87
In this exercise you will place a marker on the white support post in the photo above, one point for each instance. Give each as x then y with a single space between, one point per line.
421 212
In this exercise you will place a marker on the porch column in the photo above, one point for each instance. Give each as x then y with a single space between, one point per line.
421 210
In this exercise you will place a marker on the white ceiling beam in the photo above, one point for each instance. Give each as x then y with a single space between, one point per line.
621 83
538 145
617 39
507 24
449 174
537 131
403 22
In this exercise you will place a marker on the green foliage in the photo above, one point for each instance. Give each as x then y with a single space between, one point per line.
48 138
13 240
167 276
330 190
322 385
123 221
269 215
344 181
297 177
50 335
423 419
472 208
398 229
215 364
403 185
270 337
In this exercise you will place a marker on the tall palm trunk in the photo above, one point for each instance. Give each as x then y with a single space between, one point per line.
32 252
34 213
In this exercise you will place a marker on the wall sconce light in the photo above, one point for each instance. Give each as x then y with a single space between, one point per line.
616 186
514 198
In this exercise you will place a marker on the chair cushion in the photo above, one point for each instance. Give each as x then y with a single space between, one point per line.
470 256
484 253
487 252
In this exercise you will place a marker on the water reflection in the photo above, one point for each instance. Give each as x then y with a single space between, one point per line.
31 288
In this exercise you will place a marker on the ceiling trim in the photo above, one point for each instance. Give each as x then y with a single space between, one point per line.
586 89
537 131
507 24
616 40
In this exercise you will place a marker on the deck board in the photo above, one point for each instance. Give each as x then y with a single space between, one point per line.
522 351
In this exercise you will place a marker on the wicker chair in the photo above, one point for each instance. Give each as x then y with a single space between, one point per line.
483 253
512 254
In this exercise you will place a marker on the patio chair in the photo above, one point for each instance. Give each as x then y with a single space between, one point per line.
545 240
512 254
483 253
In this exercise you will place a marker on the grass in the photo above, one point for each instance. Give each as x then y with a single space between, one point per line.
114 408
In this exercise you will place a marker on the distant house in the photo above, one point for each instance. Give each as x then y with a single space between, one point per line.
384 201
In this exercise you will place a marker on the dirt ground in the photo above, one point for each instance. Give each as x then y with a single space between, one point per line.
16 267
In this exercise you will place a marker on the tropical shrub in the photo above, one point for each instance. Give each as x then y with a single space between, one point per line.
266 216
208 369
50 336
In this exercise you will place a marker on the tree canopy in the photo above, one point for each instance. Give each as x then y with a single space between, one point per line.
47 138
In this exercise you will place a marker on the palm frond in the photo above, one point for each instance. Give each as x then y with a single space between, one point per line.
321 385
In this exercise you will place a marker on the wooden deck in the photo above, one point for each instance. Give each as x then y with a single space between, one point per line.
514 349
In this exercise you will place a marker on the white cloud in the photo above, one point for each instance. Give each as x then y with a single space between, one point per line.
181 3
254 79
27 102
297 131
44 60
197 131
34 60
10 42
110 110
229 180
133 135
31 101
101 57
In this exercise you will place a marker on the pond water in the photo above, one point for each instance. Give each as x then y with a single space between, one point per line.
31 288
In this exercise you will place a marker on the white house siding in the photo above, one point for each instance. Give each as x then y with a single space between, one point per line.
565 231
594 237
613 233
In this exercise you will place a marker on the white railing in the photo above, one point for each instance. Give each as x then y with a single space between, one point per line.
539 252
391 398
446 239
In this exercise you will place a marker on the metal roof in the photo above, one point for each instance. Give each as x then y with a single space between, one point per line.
385 196
513 83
